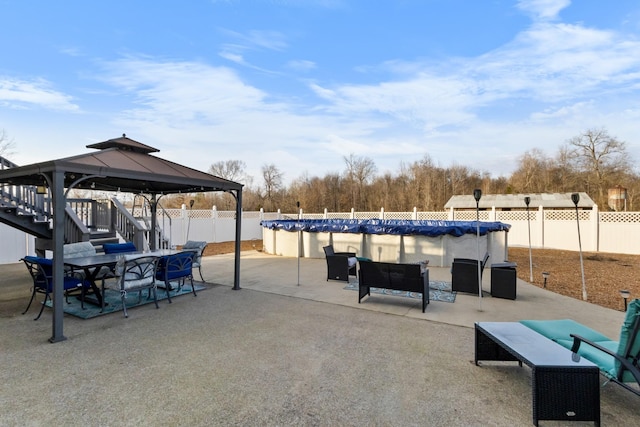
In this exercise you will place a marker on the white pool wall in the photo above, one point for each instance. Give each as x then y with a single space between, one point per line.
439 251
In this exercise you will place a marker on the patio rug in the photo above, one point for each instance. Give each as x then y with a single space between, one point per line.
438 291
114 302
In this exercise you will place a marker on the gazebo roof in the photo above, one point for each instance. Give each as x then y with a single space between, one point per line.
121 164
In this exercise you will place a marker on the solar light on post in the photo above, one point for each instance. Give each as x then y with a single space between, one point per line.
575 198
527 200
625 295
545 276
191 202
477 194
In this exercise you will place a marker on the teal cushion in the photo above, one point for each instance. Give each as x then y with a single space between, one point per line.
562 329
633 311
600 358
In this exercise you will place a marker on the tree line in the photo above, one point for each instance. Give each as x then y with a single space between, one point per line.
592 161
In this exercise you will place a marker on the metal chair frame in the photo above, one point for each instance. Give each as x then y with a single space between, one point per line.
41 272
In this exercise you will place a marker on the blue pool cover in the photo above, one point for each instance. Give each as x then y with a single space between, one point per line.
398 227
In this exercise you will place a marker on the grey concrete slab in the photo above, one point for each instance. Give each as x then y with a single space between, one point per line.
276 353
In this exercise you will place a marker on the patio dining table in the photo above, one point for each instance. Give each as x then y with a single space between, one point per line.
92 265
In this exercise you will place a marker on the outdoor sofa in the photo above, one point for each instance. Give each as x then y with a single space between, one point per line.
400 277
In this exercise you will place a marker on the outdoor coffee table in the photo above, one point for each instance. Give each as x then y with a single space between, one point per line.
562 389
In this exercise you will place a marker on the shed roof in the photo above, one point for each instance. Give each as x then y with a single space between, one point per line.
516 201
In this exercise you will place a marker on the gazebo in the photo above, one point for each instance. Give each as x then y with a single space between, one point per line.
120 164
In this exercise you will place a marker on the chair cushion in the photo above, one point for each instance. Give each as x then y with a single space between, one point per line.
562 329
79 249
39 260
132 278
116 248
198 248
192 244
633 311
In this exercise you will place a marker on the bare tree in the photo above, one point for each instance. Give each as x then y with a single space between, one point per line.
459 179
589 162
360 171
600 156
272 183
233 170
532 173
6 144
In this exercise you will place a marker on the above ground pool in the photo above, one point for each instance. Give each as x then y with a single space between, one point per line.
388 240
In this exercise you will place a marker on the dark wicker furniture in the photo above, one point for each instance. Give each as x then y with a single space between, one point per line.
338 264
464 274
401 277
563 388
504 280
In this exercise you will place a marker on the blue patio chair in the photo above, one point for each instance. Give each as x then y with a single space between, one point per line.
41 271
176 268
134 273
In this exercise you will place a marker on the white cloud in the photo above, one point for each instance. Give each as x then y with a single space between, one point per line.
231 56
301 65
548 83
20 94
543 9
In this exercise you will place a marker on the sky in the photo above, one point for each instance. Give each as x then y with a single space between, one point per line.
302 84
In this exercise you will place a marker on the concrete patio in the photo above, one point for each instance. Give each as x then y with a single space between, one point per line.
280 351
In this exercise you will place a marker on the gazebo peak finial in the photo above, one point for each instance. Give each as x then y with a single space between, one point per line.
124 144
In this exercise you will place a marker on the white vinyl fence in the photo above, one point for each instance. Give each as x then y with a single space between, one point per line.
612 232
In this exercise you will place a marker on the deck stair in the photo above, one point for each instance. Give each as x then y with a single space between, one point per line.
98 221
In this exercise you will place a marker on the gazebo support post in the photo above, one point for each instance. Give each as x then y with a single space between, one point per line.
59 203
154 221
236 272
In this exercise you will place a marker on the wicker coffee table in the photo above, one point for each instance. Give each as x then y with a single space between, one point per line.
562 389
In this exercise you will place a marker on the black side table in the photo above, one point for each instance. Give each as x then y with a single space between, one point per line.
503 280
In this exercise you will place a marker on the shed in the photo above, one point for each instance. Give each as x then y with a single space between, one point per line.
516 201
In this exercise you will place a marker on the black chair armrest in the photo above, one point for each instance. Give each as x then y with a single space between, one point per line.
577 339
